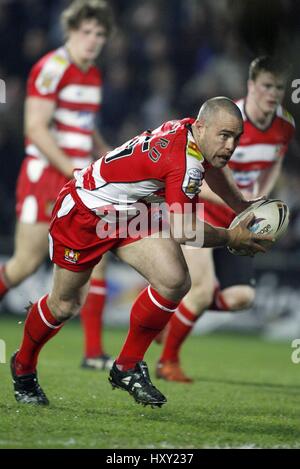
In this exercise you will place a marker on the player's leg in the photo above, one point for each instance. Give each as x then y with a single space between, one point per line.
37 188
31 248
236 298
237 279
205 294
193 305
162 263
92 320
44 320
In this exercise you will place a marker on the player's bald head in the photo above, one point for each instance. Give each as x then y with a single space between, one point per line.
217 130
214 106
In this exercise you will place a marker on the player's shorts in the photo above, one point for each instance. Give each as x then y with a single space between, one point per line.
233 270
77 236
38 186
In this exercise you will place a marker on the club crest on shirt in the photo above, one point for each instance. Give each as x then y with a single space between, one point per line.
71 255
192 186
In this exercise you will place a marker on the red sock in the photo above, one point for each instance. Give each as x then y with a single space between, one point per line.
179 327
91 318
149 315
4 287
219 303
40 326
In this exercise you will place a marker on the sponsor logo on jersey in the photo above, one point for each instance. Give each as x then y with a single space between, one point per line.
46 82
239 154
194 173
51 73
60 60
71 255
287 116
86 120
193 150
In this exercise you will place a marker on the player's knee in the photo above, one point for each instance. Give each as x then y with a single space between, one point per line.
178 285
247 298
64 309
242 299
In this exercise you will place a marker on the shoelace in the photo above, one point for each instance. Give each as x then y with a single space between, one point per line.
29 384
144 379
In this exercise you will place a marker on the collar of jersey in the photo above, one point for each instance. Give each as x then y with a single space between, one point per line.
192 149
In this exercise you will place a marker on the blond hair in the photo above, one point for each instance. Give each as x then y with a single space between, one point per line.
80 10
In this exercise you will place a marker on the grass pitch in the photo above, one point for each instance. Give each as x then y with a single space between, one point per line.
246 394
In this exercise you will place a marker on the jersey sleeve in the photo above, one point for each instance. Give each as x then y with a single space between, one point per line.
288 131
184 177
46 75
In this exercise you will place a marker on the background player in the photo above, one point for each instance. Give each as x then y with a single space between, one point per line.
255 165
173 157
63 97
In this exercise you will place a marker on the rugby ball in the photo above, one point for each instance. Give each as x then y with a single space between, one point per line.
271 218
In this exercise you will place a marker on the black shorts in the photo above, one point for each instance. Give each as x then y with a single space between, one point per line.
233 270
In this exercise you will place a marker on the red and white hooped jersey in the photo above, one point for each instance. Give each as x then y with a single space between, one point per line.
77 95
259 149
164 161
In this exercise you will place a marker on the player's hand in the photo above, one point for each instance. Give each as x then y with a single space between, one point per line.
70 172
241 238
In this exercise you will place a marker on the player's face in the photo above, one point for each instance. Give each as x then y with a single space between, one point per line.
267 91
218 138
88 40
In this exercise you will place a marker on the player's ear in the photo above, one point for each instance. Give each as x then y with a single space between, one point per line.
199 123
250 85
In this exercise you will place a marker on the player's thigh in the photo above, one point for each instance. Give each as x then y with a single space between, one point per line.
200 264
31 241
160 261
99 271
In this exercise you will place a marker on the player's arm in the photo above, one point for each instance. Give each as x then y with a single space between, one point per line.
268 178
100 147
207 194
186 228
38 116
221 181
